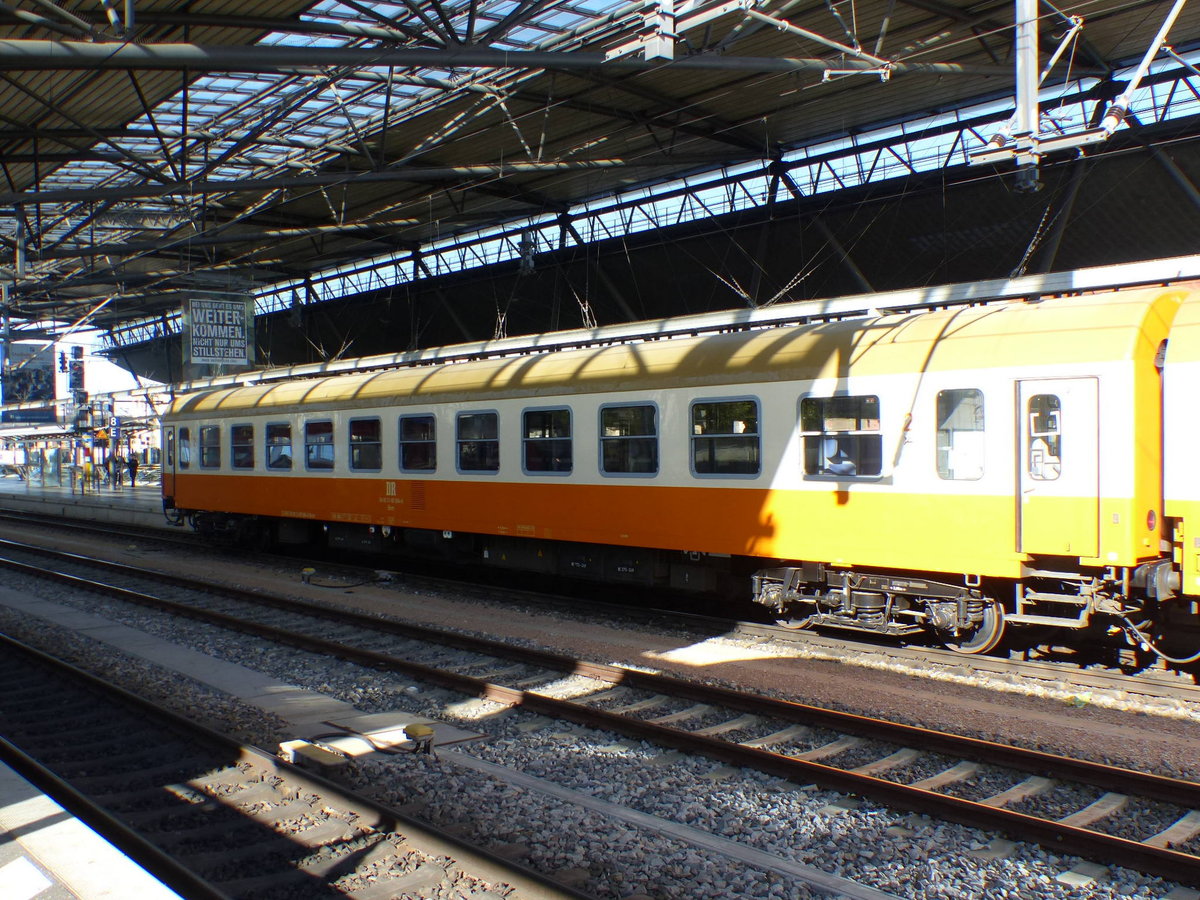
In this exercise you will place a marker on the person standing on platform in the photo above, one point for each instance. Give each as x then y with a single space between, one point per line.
116 471
133 467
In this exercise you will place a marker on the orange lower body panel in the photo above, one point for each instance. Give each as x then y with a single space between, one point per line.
960 534
629 515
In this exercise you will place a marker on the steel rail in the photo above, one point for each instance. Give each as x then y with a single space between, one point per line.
1167 687
1095 845
426 838
159 864
1036 762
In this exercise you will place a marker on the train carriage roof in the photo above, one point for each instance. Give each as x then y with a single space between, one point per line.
1105 327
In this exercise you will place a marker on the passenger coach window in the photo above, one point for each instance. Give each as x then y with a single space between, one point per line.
628 440
1045 437
169 447
960 435
366 447
547 440
185 447
418 444
279 446
478 442
241 446
210 447
318 445
725 438
841 436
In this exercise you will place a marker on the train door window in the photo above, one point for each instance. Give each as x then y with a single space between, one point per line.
210 447
279 445
418 444
725 437
185 447
960 443
841 436
318 445
241 446
366 445
629 440
169 448
546 441
1045 437
478 439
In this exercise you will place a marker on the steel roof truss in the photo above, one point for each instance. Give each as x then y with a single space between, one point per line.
249 164
144 166
413 34
43 22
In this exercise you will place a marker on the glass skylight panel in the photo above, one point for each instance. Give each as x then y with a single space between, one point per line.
139 147
233 103
561 21
391 10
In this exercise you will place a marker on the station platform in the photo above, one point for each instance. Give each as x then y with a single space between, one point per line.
48 854
140 505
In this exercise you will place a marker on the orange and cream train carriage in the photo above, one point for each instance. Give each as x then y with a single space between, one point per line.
948 471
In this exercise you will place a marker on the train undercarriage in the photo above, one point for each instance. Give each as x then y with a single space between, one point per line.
1136 606
696 573
1131 605
812 595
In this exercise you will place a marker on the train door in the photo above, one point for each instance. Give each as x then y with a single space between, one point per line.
168 461
1059 464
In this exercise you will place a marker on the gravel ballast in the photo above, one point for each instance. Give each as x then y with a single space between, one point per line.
881 848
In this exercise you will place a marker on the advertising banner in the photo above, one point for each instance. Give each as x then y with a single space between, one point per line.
27 376
219 330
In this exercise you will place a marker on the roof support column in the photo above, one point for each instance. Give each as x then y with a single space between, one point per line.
1026 117
20 248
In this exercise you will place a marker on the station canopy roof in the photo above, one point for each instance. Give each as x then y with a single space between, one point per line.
152 149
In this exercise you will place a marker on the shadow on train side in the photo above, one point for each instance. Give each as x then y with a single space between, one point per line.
833 472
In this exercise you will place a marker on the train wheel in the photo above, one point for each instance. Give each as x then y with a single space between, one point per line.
985 637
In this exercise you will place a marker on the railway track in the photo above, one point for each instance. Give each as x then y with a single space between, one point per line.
1144 822
25 518
1084 676
214 819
